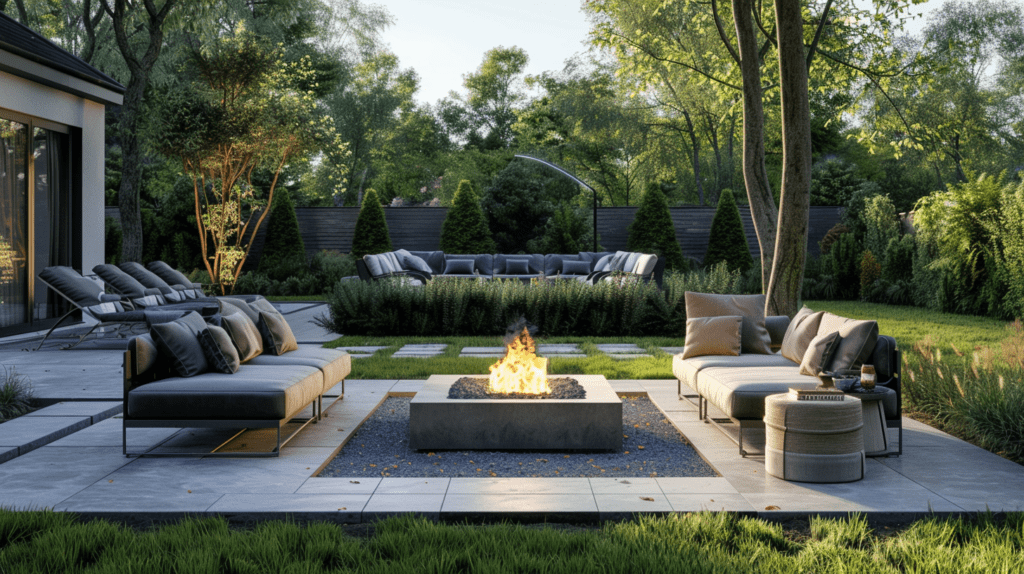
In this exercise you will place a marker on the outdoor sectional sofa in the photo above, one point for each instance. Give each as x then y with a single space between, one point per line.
164 388
587 266
737 384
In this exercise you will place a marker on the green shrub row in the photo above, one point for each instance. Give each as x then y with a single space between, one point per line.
324 271
449 306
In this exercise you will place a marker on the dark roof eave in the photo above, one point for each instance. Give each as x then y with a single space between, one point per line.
100 79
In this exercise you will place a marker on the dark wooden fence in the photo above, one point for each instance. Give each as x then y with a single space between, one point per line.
419 228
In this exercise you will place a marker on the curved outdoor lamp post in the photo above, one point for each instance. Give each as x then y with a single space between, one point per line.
574 178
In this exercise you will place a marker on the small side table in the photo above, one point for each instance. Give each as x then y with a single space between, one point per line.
813 441
876 434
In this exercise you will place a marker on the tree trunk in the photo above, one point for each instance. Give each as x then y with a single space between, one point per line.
791 242
755 176
732 156
131 170
696 155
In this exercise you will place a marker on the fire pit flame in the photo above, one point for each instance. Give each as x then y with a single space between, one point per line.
520 370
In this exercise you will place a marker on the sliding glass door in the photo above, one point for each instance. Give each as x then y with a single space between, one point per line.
35 219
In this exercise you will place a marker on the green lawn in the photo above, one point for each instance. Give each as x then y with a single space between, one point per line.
33 542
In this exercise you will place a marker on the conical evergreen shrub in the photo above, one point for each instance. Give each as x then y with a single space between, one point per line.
728 242
284 254
652 230
371 233
465 229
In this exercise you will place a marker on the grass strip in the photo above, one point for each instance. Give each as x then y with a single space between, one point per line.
698 543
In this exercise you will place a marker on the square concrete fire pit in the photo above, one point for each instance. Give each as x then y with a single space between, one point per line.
439 423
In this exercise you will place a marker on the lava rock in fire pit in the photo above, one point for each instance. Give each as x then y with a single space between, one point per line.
476 388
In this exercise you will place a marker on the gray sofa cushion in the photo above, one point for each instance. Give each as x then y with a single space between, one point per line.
244 335
517 267
618 261
458 267
334 364
277 335
686 370
258 393
799 333
629 265
434 259
604 263
570 267
176 341
416 263
220 351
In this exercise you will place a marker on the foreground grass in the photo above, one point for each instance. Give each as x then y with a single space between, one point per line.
721 543
382 366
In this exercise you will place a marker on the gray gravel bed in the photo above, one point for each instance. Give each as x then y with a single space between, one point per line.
651 447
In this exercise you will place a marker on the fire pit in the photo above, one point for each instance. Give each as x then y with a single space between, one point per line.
532 422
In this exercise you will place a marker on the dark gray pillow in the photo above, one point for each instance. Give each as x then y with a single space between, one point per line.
244 334
123 282
71 283
575 267
603 263
219 350
819 353
417 263
176 341
169 274
517 266
277 336
458 267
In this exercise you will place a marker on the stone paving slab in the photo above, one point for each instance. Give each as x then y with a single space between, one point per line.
482 355
361 350
619 348
558 348
672 350
624 357
562 355
95 410
30 433
482 350
625 506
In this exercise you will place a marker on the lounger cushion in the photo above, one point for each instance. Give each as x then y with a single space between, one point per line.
713 336
334 364
277 336
244 334
220 351
72 285
645 264
169 274
255 393
751 307
176 341
119 280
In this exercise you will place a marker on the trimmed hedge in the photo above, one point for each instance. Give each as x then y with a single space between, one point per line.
728 241
371 232
465 229
451 306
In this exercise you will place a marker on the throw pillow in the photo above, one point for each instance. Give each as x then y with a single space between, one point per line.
458 267
618 261
575 268
713 336
517 266
244 335
262 305
603 264
629 265
751 307
219 350
858 342
241 305
819 354
801 330
277 336
176 341
418 264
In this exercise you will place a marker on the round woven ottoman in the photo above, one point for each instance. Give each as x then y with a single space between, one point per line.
813 441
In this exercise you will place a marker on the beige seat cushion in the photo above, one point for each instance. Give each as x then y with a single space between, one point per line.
751 307
739 392
686 369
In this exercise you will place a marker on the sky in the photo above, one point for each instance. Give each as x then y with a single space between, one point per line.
446 39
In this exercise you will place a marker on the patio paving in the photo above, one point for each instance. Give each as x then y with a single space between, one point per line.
84 471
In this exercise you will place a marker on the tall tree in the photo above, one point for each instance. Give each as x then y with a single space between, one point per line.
496 91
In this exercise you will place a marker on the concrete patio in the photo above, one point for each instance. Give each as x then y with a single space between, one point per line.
68 457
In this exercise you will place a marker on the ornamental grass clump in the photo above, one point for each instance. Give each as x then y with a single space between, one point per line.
15 394
977 395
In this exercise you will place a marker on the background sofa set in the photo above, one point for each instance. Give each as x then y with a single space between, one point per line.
735 357
188 373
584 266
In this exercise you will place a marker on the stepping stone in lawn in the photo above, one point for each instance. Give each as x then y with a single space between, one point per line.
360 350
420 351
624 356
623 348
566 356
483 350
558 349
672 350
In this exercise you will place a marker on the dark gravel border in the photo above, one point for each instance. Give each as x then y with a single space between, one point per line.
651 447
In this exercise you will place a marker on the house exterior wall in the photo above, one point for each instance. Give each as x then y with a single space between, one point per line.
46 103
